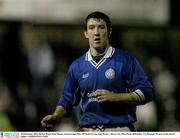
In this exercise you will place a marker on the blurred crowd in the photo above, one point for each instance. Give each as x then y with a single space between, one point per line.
34 60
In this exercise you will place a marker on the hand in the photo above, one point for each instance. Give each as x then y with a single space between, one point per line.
105 95
47 121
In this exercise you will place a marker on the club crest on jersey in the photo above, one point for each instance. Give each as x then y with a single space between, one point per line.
110 73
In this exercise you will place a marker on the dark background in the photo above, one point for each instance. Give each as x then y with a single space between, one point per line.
29 92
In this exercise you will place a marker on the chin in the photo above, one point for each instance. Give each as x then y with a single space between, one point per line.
99 47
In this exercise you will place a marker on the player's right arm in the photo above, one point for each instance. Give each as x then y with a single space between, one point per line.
49 120
66 100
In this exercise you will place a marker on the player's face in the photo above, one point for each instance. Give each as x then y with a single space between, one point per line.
97 34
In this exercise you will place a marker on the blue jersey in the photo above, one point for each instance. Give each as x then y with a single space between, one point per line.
118 72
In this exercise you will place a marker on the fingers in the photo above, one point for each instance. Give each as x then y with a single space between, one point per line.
101 99
101 95
105 95
100 92
45 122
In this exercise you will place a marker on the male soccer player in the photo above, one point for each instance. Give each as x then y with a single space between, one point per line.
110 81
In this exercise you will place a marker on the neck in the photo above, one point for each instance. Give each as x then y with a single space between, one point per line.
98 52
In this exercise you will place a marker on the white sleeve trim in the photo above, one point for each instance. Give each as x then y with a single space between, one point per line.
140 94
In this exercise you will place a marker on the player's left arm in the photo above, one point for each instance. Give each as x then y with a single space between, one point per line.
109 96
141 90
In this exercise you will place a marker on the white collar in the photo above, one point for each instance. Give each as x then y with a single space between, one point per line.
108 54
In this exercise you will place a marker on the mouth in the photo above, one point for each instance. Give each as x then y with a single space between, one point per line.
97 40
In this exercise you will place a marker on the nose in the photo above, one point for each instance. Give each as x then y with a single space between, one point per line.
96 31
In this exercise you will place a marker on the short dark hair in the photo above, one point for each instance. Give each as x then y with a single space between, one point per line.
99 15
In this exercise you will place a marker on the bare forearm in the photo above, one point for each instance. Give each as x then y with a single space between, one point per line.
127 98
49 120
59 112
108 96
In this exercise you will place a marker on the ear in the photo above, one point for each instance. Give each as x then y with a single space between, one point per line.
86 34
